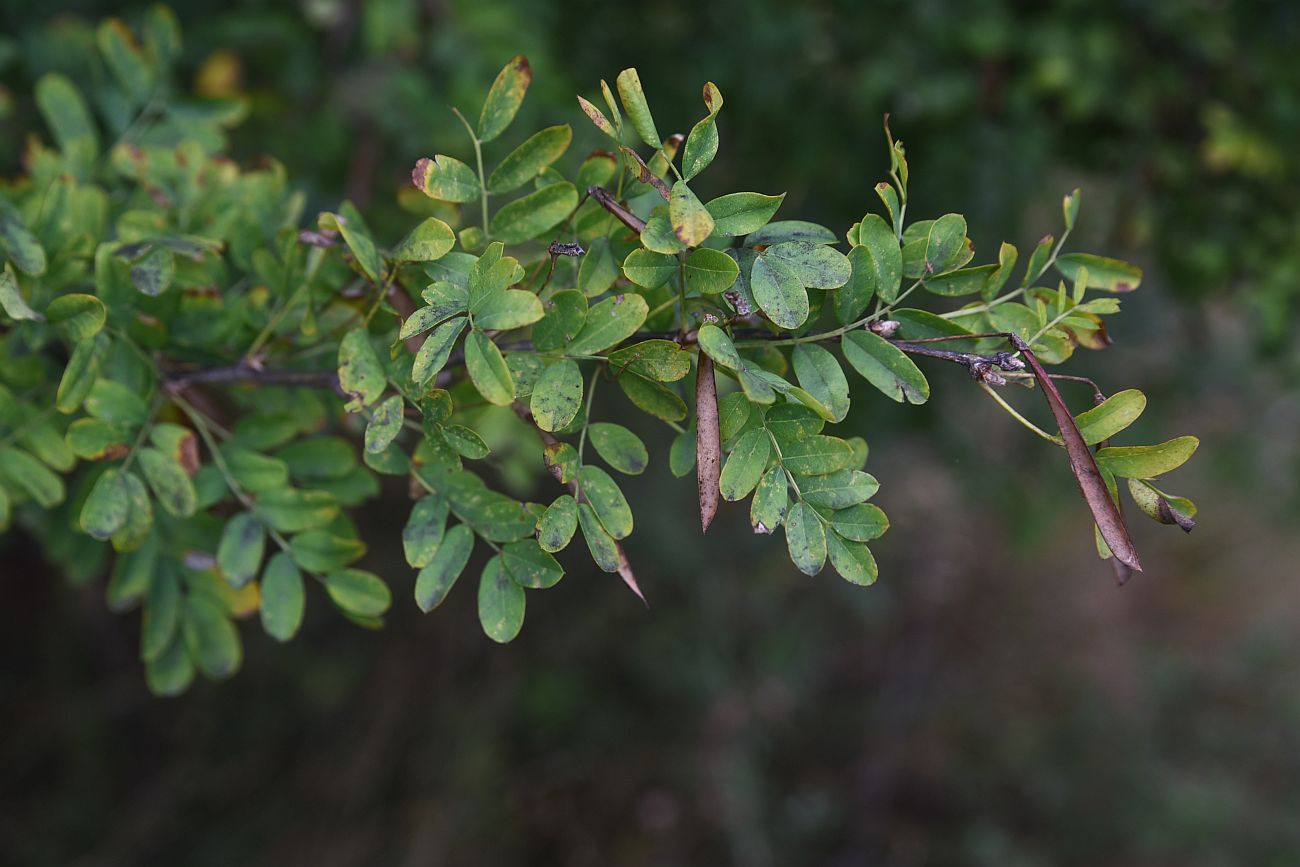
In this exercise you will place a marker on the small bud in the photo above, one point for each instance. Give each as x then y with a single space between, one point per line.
1008 361
566 249
983 371
884 327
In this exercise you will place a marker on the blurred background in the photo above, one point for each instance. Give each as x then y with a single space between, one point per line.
993 700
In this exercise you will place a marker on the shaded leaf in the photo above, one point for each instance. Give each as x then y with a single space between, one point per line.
500 602
239 553
283 598
437 577
805 539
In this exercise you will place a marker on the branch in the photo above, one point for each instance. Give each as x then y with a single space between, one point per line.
246 373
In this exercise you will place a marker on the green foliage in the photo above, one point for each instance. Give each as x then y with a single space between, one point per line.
190 372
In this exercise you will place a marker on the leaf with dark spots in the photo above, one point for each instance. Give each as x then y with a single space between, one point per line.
1084 466
708 441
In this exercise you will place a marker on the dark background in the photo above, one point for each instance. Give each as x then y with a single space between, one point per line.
993 699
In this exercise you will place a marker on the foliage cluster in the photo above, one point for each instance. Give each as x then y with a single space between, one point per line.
198 388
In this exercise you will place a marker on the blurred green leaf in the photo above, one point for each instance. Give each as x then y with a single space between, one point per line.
239 554
358 592
283 598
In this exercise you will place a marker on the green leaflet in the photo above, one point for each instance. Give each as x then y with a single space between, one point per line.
211 638
439 574
805 539
1112 275
852 560
424 530
650 269
500 602
885 366
502 311
710 272
656 359
487 369
821 376
239 553
565 314
742 213
608 324
283 598
558 524
702 143
771 501
504 98
745 465
816 455
557 395
814 265
358 592
607 500
77 317
446 179
1111 416
431 239
1146 462
943 244
11 298
838 490
535 213
360 374
604 550
527 161
779 292
634 103
619 447
691 222
434 353
531 566
653 398
321 551
289 510
385 424
169 482
862 523
106 507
